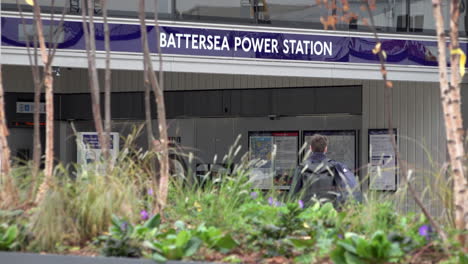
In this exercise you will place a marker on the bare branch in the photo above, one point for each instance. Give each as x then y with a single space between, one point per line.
9 192
162 144
107 84
48 83
90 40
33 62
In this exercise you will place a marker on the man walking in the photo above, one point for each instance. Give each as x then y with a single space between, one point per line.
321 178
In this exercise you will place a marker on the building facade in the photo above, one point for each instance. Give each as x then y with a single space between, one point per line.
266 70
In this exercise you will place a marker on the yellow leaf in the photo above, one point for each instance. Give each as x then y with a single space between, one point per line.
197 206
30 2
306 225
377 48
462 59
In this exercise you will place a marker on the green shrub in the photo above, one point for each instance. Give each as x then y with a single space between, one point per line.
358 249
8 237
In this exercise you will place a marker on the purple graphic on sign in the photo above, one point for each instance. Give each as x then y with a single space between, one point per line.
92 141
237 44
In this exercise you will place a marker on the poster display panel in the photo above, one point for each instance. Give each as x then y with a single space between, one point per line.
341 145
382 159
89 147
277 153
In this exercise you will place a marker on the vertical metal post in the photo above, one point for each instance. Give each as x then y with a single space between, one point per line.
173 9
408 15
255 10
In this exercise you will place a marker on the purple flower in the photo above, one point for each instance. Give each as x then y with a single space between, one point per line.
425 231
144 215
270 200
150 192
254 195
340 236
123 226
301 204
278 203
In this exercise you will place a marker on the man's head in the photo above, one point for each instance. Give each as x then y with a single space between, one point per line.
319 143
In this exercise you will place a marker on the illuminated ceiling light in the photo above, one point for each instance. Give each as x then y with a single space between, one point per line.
30 2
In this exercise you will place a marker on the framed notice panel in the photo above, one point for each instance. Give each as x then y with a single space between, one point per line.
341 145
89 147
277 153
382 159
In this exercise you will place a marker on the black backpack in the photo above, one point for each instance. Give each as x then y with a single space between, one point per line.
316 181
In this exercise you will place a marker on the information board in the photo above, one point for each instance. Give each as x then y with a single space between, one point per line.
341 145
382 159
277 153
89 147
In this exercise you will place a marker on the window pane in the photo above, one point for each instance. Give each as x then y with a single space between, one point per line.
115 8
422 18
221 10
301 13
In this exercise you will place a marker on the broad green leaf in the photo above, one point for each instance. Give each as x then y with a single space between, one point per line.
347 246
182 238
116 221
302 243
151 245
159 258
10 235
395 251
192 247
153 222
362 248
304 259
352 259
337 256
201 228
316 206
226 243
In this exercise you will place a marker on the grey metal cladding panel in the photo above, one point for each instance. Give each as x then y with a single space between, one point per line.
338 100
293 101
256 102
203 103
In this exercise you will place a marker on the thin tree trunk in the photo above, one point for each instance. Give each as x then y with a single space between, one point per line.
162 145
158 46
107 85
9 194
457 151
450 95
37 151
149 125
49 85
33 61
90 40
158 88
